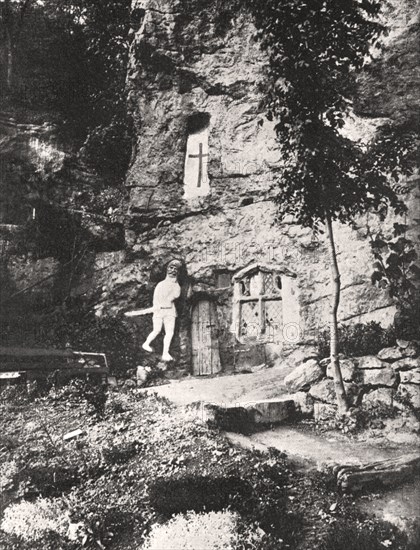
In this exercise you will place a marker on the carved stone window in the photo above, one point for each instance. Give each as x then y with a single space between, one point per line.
196 181
258 309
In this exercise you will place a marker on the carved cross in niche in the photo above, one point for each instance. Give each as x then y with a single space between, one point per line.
200 157
196 181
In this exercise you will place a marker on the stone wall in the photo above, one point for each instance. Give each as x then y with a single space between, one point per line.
386 385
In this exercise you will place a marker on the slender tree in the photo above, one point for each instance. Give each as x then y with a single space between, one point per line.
12 18
316 49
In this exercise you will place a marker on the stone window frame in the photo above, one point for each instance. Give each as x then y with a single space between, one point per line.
260 296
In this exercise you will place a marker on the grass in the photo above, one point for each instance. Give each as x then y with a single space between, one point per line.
146 461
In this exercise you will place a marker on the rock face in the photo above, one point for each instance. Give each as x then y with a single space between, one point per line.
379 377
323 391
348 370
195 70
383 396
370 362
390 354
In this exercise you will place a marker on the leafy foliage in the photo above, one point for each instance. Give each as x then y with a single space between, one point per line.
198 493
358 339
395 267
70 57
315 50
343 536
108 334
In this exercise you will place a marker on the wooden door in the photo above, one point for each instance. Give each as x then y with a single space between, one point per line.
204 339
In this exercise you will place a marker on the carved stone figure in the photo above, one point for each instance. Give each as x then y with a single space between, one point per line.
163 309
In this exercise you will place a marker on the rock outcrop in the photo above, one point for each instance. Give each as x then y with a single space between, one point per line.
388 396
195 65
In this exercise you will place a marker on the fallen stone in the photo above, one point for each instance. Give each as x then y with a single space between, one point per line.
257 368
324 411
410 393
390 354
304 403
348 370
303 376
410 376
383 396
379 377
402 437
231 419
142 374
403 343
302 354
325 362
130 384
323 391
163 366
411 351
244 417
386 473
272 411
10 375
406 363
72 435
370 362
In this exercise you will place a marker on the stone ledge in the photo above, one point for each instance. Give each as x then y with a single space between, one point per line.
245 417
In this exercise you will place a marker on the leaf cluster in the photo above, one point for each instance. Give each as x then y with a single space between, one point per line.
70 59
316 49
395 267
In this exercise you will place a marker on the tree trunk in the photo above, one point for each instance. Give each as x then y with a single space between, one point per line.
335 300
9 62
7 19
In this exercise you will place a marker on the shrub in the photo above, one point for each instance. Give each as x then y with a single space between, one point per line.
118 403
213 531
48 481
198 493
32 520
79 390
121 453
100 519
358 340
345 536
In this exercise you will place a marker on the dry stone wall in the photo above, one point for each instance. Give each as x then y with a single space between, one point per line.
386 386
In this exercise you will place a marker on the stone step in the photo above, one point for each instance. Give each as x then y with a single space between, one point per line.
246 417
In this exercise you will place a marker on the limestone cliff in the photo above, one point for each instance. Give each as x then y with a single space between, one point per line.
196 57
191 57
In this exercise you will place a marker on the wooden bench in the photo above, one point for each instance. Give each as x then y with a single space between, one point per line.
18 365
